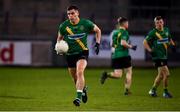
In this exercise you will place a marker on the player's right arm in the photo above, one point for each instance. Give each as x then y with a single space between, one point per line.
146 42
60 37
146 46
61 32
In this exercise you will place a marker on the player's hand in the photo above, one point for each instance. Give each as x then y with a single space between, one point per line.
59 53
112 50
56 45
134 47
96 47
152 53
173 48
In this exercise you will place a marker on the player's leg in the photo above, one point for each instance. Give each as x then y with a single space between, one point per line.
72 68
116 74
84 56
80 84
72 71
128 80
156 83
165 76
166 94
71 63
159 77
81 65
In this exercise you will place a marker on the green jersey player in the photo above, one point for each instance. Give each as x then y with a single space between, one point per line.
157 42
121 60
74 31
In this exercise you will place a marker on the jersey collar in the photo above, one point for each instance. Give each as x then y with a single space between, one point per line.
122 28
74 23
160 30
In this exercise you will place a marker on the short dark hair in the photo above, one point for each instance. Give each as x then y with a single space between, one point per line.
121 20
71 7
157 18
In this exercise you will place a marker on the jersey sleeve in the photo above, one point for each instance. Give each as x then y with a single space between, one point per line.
149 37
114 39
111 38
90 25
61 29
125 36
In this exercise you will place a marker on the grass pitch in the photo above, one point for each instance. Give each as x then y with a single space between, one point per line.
51 89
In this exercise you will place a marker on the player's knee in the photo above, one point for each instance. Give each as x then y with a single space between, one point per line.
80 72
128 71
129 74
118 74
129 77
165 73
161 72
160 77
167 76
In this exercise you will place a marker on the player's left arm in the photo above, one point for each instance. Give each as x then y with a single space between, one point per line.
97 30
172 43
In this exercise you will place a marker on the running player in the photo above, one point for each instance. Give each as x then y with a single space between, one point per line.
74 31
121 60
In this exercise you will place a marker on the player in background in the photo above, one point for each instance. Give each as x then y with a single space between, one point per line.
121 60
75 31
156 43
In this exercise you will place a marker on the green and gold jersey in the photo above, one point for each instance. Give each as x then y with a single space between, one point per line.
76 35
118 35
159 41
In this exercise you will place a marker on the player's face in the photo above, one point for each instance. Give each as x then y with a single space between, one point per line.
73 15
159 24
126 24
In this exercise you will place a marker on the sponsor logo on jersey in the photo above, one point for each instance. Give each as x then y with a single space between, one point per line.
162 41
76 36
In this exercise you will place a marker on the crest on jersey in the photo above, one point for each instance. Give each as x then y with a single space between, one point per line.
81 27
166 33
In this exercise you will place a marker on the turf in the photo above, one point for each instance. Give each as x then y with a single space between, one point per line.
51 89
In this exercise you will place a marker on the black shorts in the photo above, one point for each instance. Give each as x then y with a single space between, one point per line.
120 63
160 62
72 59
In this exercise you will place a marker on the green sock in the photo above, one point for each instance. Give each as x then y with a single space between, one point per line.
154 88
166 90
79 94
126 89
